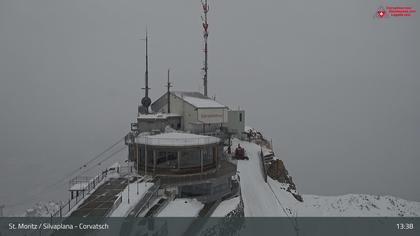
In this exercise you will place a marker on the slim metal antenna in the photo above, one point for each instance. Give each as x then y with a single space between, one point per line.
146 101
169 85
146 73
205 36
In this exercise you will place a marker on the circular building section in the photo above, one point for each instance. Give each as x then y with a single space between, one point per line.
175 153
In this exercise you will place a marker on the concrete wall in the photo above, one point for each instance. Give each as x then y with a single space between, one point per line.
180 107
187 111
190 115
236 122
207 192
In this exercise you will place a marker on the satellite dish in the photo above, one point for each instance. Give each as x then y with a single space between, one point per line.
146 101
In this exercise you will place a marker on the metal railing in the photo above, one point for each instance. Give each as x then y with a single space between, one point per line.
66 208
116 204
147 199
71 203
263 168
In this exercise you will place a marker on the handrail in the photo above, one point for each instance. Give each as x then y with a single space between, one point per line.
147 198
71 203
263 168
116 204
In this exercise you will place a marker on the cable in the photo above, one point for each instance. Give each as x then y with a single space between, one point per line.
68 175
71 173
107 158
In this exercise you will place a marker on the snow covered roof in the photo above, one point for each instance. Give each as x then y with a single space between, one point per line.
203 102
157 116
176 139
198 100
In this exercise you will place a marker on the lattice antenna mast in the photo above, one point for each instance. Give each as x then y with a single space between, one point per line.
205 36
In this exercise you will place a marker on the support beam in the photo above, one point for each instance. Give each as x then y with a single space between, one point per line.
145 158
201 157
154 161
179 159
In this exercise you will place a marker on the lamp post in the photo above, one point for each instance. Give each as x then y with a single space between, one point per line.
137 164
145 159
145 155
128 183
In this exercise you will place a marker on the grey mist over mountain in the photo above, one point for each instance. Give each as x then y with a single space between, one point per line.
335 88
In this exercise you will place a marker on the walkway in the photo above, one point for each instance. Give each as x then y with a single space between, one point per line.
100 202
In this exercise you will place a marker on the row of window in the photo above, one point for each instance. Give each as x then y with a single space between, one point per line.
169 159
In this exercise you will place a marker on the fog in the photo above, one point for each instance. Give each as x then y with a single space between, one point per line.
336 89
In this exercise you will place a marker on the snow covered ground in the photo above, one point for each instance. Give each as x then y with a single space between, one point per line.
272 199
258 198
357 205
264 199
124 208
42 209
182 207
226 207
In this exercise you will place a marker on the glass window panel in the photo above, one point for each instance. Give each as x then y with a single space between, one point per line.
166 160
190 158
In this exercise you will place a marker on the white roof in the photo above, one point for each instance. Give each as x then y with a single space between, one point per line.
203 102
198 100
176 139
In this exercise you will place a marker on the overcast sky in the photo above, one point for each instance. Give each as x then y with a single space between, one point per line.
336 89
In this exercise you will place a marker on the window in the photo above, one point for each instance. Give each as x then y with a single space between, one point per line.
190 158
240 117
207 155
166 160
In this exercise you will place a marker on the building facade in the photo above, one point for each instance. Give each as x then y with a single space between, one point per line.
193 165
199 113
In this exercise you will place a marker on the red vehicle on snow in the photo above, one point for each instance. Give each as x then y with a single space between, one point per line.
240 153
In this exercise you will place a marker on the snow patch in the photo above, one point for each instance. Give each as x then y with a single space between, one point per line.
182 207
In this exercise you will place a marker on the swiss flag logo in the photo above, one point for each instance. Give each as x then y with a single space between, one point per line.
381 13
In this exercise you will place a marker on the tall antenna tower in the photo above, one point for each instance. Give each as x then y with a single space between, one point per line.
146 101
205 36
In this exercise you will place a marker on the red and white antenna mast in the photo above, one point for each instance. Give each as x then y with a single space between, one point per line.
205 36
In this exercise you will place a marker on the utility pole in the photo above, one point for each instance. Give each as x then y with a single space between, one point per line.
137 165
205 36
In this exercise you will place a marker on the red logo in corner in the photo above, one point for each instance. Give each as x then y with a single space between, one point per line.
381 13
